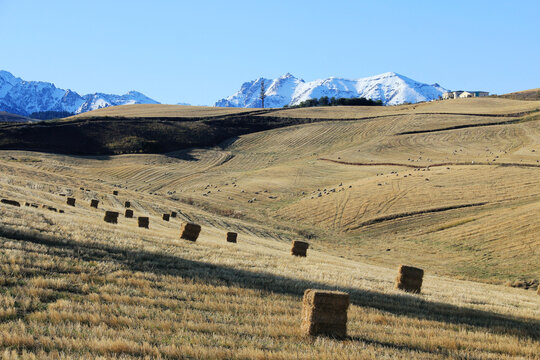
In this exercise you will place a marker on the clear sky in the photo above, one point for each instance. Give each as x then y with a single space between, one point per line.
201 51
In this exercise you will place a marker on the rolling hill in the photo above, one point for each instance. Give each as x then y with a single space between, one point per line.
452 187
533 94
12 118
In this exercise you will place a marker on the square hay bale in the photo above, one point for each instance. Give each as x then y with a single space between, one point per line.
10 202
115 192
173 214
94 203
129 213
127 204
144 222
111 217
409 279
325 313
70 201
166 217
299 248
231 237
190 231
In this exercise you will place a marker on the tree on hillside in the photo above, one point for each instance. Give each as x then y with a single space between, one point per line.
263 95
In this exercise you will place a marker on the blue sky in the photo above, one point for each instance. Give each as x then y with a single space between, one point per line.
201 51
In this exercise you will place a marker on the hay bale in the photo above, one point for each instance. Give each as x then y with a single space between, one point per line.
111 217
127 204
10 202
94 203
299 248
115 192
409 279
129 213
231 237
325 313
70 201
190 231
173 214
166 217
144 222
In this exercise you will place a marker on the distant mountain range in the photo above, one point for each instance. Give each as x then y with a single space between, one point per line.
22 97
390 88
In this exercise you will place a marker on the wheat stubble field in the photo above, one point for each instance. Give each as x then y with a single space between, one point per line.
451 187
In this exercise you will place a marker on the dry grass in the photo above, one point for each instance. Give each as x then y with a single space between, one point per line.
532 94
491 105
74 286
161 111
123 292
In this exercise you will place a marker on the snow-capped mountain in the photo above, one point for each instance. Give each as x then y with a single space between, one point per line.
391 88
25 97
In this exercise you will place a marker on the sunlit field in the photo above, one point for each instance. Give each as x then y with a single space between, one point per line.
452 187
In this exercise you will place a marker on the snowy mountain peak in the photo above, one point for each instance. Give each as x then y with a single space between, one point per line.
390 87
22 97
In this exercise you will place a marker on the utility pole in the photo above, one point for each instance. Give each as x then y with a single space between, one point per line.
263 95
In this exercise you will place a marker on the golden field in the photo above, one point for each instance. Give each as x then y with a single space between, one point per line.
452 187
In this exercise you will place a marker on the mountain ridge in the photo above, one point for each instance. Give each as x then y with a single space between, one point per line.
18 96
391 88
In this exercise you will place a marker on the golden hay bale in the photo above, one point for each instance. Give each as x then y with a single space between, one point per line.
10 202
127 204
231 237
409 279
144 222
111 217
299 248
94 203
115 192
70 201
129 213
325 313
166 217
173 214
190 231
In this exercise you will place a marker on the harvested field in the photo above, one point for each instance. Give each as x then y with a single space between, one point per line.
461 204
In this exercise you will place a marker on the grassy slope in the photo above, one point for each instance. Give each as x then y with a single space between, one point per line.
533 94
127 292
10 118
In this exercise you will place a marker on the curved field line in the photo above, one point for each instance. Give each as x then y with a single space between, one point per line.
430 165
412 213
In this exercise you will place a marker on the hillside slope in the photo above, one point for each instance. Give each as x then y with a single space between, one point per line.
457 194
533 94
163 128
